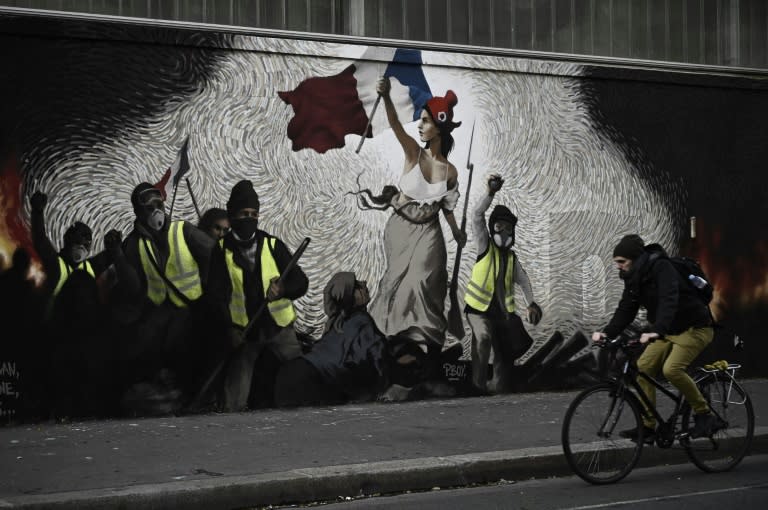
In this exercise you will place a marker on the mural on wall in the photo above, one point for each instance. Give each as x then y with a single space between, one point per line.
579 164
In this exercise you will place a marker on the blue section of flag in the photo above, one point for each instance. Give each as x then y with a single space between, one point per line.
182 161
406 67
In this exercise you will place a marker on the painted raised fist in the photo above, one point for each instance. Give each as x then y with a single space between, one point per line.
494 183
112 240
38 201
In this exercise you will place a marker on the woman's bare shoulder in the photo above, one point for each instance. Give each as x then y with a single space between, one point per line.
451 175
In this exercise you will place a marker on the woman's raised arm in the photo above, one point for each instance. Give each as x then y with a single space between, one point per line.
410 146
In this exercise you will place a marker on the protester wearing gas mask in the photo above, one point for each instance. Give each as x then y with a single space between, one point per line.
490 296
245 273
74 253
169 261
171 258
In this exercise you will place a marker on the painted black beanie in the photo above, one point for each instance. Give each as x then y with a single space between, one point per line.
243 196
141 192
77 233
501 213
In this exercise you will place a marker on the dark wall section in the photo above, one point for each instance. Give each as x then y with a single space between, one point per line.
713 139
49 80
78 87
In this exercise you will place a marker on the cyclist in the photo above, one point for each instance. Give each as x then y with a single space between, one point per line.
680 327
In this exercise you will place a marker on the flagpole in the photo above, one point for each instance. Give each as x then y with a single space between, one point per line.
368 126
192 196
173 200
455 324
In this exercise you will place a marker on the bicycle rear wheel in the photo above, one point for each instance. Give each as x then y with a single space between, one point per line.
728 445
591 442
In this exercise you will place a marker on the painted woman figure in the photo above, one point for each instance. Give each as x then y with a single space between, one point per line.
411 294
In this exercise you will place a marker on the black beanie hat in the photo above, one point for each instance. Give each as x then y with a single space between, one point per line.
243 196
501 213
630 247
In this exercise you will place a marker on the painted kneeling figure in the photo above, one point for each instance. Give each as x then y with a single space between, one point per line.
348 363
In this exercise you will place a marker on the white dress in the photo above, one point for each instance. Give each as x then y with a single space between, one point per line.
410 301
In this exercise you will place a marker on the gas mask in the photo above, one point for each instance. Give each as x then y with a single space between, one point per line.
77 243
156 220
151 209
78 253
503 241
244 229
503 234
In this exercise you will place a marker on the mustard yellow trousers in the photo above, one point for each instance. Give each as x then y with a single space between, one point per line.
672 354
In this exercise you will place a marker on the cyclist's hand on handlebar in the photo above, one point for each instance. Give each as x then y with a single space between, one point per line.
599 338
648 337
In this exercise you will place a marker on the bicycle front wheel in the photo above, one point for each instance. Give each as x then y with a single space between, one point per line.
591 442
728 445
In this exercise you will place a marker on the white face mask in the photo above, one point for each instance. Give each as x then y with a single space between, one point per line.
502 241
78 253
156 220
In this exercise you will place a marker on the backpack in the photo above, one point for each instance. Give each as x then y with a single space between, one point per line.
694 277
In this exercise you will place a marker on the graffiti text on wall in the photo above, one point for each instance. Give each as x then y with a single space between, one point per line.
9 393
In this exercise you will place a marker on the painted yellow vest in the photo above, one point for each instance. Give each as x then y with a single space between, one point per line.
281 310
65 270
483 282
180 268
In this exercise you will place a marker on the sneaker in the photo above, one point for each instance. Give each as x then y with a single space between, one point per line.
649 434
704 425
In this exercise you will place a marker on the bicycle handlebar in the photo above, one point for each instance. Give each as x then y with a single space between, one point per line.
619 341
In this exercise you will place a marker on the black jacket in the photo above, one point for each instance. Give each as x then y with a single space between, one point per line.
219 289
655 284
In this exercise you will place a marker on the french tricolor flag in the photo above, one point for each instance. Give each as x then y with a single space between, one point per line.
171 178
328 108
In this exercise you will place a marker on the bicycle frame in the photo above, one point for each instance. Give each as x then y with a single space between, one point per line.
629 377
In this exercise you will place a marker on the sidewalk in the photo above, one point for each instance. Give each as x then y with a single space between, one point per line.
309 454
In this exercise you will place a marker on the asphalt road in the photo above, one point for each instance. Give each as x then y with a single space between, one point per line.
676 487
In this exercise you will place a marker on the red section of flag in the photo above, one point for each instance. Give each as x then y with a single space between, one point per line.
162 184
326 109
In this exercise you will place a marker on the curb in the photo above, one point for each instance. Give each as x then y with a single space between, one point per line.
331 483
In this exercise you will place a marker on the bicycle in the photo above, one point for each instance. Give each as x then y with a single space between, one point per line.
599 455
